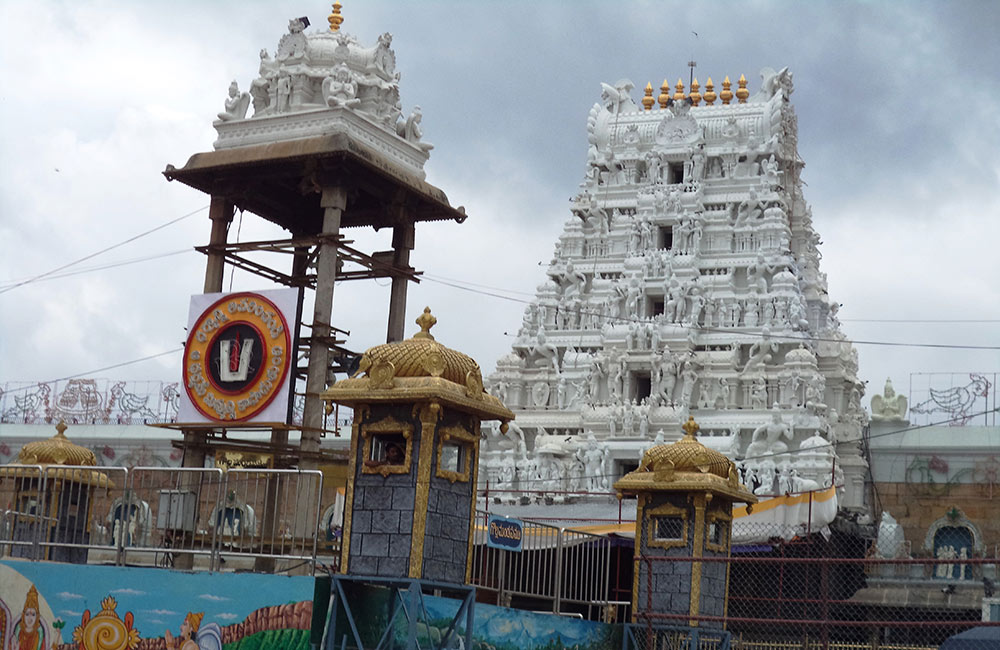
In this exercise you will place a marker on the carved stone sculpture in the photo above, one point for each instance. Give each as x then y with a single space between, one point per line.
236 104
339 89
888 405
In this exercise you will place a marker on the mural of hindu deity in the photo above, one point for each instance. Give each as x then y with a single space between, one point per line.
194 635
29 633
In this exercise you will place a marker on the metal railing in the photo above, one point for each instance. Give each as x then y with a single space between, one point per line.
567 568
193 518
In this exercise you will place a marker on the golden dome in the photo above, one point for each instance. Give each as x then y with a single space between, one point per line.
57 450
687 455
420 356
416 369
685 466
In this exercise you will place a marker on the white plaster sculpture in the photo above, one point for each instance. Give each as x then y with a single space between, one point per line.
409 129
339 88
236 104
888 405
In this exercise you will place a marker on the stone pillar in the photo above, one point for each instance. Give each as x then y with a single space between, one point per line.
402 244
221 213
333 201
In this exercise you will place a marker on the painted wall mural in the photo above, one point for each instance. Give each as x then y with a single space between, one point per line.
494 628
48 606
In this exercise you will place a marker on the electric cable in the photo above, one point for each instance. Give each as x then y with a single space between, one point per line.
102 251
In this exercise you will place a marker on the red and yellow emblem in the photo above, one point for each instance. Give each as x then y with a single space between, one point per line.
237 357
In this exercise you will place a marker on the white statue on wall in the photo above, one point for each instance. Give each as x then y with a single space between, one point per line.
409 129
545 353
888 405
688 378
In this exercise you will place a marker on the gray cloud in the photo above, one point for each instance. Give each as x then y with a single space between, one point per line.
895 117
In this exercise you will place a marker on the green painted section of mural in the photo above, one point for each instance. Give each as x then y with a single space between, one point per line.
290 639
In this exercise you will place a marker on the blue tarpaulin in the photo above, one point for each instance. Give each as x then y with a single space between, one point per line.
977 638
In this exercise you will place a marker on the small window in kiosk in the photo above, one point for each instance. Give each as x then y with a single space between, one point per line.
668 528
716 530
388 449
452 458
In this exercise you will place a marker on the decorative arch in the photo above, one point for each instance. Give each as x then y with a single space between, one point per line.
957 519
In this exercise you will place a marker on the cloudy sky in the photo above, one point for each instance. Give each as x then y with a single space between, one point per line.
897 126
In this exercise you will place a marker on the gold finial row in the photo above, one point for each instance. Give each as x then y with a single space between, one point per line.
335 19
741 94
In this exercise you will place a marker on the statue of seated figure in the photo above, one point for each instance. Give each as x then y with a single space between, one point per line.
766 439
888 405
340 89
544 353
236 104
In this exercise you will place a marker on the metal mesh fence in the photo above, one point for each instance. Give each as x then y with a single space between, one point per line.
819 591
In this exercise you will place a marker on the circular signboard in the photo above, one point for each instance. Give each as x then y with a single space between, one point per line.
236 357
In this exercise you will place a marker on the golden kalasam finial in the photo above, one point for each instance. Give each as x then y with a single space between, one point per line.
647 97
335 18
690 427
727 94
695 95
742 93
61 429
679 94
426 321
664 97
709 93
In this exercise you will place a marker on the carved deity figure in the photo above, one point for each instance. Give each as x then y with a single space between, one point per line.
385 58
236 104
260 87
593 461
572 281
758 393
749 210
409 129
766 477
653 167
283 91
760 352
339 89
766 439
688 378
547 353
888 405
668 374
769 170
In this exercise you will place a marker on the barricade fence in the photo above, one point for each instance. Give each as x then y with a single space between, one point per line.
557 569
193 518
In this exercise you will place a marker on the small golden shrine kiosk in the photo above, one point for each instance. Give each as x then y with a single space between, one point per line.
411 490
53 494
685 495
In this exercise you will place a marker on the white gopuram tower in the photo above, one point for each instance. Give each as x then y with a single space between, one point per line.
686 282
